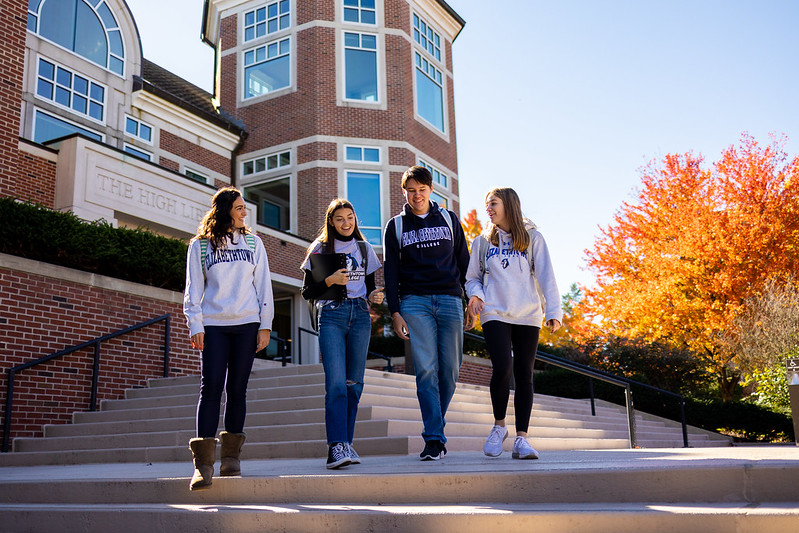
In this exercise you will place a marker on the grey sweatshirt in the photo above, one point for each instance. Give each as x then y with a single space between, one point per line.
508 291
234 288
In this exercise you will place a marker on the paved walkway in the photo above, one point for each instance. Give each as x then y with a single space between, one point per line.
455 462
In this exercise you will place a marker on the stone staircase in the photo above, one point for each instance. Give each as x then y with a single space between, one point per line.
286 420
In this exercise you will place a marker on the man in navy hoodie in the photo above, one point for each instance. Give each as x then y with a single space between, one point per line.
425 262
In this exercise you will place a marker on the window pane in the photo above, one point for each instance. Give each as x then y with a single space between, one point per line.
131 126
95 111
363 190
368 4
146 132
137 153
115 39
284 22
107 17
271 162
371 154
351 3
62 96
90 41
81 85
58 23
361 75
32 20
46 69
368 17
353 154
352 39
97 93
350 15
274 202
260 165
249 18
284 6
285 159
267 77
429 100
79 103
48 128
116 65
369 41
44 89
64 77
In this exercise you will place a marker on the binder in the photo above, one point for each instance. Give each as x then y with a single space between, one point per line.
322 265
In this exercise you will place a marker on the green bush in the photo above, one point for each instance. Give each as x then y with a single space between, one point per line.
136 255
742 420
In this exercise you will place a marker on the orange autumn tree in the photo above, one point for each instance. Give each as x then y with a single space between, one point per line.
472 226
676 265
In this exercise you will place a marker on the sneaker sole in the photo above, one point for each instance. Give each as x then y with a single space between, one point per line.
338 464
516 455
432 457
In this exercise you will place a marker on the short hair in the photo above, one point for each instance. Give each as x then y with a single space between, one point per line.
418 173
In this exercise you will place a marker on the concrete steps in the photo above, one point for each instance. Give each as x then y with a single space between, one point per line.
286 419
709 490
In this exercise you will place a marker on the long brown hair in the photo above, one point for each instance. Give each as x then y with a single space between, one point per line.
514 217
217 224
328 230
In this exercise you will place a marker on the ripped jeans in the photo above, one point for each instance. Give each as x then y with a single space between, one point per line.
344 331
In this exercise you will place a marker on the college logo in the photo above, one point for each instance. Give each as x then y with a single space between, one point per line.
505 263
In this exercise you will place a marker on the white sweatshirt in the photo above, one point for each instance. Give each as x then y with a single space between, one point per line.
508 290
234 288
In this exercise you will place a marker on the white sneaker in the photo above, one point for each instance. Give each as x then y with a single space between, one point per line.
354 457
493 446
523 450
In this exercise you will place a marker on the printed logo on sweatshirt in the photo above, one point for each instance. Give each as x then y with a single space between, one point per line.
352 268
426 237
228 256
505 252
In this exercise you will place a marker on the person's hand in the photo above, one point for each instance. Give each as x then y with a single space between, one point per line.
263 339
198 341
376 297
400 327
470 320
339 277
476 305
553 325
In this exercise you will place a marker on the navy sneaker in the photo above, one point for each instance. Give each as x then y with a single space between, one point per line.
433 451
337 455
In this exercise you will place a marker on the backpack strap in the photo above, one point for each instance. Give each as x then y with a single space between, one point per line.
250 238
530 260
398 225
482 251
364 249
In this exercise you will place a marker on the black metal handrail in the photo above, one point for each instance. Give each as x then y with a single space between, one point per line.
388 368
95 368
283 350
621 381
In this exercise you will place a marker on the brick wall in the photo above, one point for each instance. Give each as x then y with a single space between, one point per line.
36 180
285 258
42 313
202 156
13 22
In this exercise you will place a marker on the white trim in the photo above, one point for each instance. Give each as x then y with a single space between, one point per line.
362 147
379 67
140 123
73 72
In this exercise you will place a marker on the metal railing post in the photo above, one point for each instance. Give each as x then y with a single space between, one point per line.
7 419
628 393
95 377
167 333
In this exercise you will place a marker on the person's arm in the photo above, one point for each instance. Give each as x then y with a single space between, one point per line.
474 285
545 275
262 280
193 294
391 277
312 290
459 248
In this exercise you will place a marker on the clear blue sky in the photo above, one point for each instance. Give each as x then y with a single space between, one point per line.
565 100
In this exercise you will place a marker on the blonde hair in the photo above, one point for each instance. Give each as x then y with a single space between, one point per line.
513 216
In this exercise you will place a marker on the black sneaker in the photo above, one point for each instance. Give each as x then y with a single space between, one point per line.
433 451
337 455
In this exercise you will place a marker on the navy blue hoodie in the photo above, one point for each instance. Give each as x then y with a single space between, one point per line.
432 261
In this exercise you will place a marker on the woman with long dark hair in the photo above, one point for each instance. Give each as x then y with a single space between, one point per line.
509 270
342 294
229 310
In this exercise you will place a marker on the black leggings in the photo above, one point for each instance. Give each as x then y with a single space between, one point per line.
500 338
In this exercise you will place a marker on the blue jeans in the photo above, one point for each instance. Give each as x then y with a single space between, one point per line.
227 361
435 325
344 332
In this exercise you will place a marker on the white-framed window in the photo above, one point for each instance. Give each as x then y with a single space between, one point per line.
360 66
267 68
364 192
442 201
362 154
47 127
196 176
273 198
271 18
86 27
266 163
139 130
429 92
138 152
439 178
426 37
360 11
70 90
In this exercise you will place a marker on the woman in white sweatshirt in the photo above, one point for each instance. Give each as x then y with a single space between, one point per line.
229 311
509 268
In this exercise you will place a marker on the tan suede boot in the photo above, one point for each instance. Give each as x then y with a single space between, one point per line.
231 449
204 453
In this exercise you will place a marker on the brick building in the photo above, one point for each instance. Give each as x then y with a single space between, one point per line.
313 99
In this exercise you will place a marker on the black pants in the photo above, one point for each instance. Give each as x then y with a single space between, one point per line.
501 338
227 361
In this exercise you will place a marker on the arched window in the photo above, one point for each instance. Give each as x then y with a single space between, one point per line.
87 27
